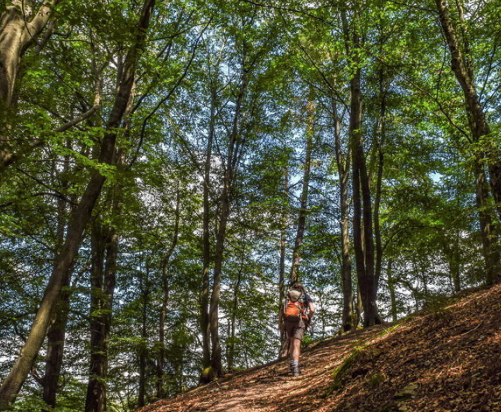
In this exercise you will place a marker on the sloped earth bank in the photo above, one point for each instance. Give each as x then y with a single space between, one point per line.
446 360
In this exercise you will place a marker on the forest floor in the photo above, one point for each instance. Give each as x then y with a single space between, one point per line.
447 358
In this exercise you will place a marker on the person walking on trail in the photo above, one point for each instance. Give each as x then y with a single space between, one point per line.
295 317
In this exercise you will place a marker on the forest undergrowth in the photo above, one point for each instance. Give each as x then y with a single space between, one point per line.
445 359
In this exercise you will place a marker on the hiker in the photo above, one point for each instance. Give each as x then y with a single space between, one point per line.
294 318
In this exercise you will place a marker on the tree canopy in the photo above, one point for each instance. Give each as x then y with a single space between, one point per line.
167 168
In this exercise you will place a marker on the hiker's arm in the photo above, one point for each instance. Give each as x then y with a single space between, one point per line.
311 310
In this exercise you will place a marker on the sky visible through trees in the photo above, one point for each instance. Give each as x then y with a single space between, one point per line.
167 168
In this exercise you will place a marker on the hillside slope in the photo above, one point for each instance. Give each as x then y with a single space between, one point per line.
446 360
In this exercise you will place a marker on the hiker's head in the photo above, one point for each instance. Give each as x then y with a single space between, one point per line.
297 286
294 294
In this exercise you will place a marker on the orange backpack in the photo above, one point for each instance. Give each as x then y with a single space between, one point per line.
294 308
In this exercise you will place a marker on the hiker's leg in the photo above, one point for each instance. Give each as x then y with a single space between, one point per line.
294 356
295 349
289 333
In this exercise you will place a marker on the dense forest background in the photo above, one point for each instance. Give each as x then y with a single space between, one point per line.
167 167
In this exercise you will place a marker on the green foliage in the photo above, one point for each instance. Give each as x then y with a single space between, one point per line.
198 56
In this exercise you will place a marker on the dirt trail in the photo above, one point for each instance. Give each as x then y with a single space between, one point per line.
445 360
269 388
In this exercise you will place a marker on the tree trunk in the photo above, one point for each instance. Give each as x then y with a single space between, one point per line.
343 167
216 358
165 299
453 255
57 331
14 381
379 179
284 342
363 241
204 296
455 265
303 208
359 308
232 159
103 280
489 239
233 320
16 36
96 389
462 67
362 211
55 348
391 287
143 351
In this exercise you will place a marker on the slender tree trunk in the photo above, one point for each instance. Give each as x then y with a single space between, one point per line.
462 66
391 287
343 167
204 296
233 157
96 392
161 339
453 255
355 124
57 331
363 241
303 208
165 298
489 239
55 348
103 281
233 320
14 381
362 211
359 308
145 291
379 178
216 361
455 265
281 275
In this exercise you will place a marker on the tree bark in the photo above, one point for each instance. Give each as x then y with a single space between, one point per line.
96 390
230 167
16 36
462 67
81 216
379 178
391 287
343 167
363 241
57 331
165 298
362 211
303 208
233 320
145 292
216 358
490 246
103 280
284 342
204 296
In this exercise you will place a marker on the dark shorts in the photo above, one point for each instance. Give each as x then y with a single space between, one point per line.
295 329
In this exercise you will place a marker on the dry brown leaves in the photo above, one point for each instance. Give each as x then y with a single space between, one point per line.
445 361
